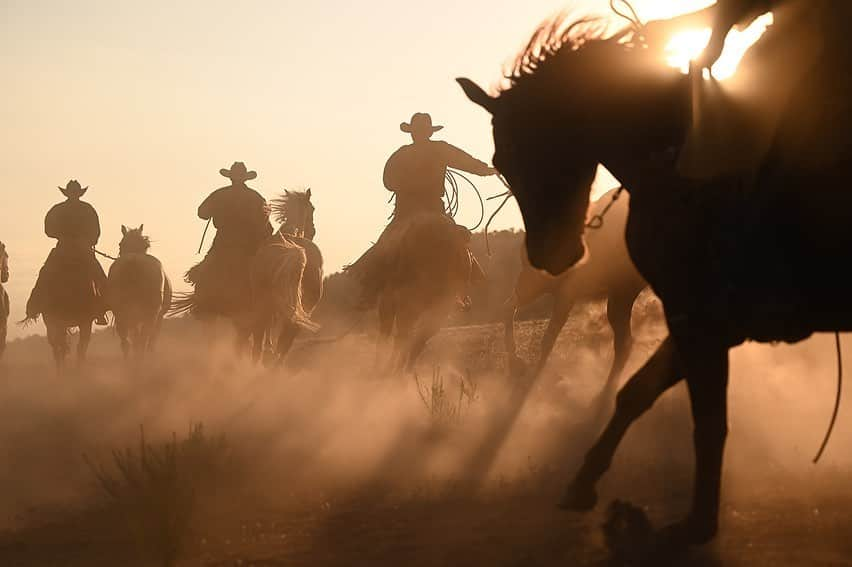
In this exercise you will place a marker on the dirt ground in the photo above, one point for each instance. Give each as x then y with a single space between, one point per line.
330 463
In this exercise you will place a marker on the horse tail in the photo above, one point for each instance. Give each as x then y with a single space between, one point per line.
182 304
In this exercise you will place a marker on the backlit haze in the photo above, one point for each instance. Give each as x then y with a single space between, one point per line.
144 102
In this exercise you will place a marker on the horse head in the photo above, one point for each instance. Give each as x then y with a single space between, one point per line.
571 93
295 212
133 241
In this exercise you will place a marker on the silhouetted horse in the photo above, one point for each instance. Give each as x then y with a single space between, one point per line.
139 293
4 297
286 277
70 300
608 274
429 274
763 257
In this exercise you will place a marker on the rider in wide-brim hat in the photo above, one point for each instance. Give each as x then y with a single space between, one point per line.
238 172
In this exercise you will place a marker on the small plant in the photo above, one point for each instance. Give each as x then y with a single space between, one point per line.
157 488
443 407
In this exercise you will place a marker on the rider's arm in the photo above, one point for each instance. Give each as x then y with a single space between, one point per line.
51 223
206 208
391 176
461 160
93 226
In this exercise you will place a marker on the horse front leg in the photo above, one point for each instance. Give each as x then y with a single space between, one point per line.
387 317
561 309
619 309
289 332
707 381
83 344
659 373
122 330
514 362
57 338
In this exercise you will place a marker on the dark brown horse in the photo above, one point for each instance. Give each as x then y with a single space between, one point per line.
759 257
4 297
608 274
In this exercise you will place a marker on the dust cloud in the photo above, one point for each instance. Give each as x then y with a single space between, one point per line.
330 426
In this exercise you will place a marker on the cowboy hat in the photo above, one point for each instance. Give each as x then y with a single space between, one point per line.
420 121
72 188
238 172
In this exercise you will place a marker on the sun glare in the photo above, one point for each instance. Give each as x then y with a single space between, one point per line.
687 45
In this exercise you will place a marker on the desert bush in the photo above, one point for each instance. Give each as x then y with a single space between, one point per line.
157 488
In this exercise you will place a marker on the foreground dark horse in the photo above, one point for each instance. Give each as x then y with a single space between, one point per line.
286 277
4 297
608 274
759 258
139 293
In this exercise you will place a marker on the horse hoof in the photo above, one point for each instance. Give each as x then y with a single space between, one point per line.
579 498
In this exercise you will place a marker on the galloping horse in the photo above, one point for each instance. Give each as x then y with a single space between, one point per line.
761 257
138 292
608 274
70 301
286 276
4 297
431 272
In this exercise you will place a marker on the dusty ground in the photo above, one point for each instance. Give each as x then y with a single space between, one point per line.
330 464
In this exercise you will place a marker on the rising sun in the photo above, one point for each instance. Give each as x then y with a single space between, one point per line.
687 45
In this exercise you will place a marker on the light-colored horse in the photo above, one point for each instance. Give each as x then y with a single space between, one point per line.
286 277
607 274
4 297
138 292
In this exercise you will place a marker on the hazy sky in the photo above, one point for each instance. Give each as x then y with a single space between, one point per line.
144 102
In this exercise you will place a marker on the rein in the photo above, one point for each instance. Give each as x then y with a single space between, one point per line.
836 399
99 253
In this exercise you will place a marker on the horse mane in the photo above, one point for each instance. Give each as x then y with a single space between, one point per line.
555 40
280 206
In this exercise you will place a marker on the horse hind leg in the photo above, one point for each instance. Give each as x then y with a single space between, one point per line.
707 382
289 332
660 372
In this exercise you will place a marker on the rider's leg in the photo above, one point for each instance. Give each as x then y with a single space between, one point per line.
35 303
100 279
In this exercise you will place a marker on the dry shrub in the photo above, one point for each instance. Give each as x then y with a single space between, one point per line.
157 488
446 409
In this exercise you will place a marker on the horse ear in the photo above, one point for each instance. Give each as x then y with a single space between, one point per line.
286 192
475 93
123 230
308 192
141 226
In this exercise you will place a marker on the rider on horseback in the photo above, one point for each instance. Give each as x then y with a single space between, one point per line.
241 217
74 223
415 173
